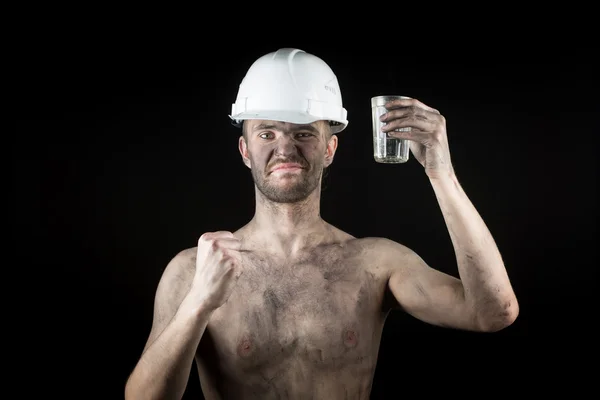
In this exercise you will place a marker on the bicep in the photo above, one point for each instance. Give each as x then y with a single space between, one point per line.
428 294
172 288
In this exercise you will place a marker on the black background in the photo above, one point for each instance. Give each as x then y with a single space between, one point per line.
124 154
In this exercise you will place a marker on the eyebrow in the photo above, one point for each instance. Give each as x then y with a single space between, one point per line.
299 127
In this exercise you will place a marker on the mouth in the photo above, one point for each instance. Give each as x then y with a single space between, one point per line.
287 167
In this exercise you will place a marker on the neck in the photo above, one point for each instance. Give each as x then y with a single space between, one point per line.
287 228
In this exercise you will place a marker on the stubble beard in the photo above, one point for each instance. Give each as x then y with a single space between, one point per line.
290 193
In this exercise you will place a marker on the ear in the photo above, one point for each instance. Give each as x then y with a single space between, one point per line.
330 150
243 147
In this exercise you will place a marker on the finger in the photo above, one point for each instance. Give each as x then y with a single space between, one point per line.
401 103
229 243
223 241
233 259
218 234
413 112
209 236
236 255
414 124
413 135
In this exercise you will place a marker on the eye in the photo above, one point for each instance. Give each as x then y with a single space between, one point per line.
265 135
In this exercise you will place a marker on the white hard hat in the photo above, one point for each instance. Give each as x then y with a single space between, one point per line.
290 85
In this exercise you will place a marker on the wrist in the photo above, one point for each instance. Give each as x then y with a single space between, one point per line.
192 308
445 175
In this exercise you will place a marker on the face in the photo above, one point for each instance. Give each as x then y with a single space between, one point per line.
287 160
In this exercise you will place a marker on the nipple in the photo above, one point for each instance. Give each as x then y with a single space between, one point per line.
350 338
245 347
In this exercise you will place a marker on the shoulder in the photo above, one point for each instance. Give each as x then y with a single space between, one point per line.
386 255
175 282
184 259
381 251
383 247
179 270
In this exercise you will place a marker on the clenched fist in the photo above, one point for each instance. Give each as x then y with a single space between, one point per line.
218 268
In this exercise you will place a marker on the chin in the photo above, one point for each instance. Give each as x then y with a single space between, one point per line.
289 195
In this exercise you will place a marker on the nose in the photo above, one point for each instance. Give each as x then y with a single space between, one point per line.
285 146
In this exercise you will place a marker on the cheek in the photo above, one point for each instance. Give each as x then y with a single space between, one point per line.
314 151
258 157
320 152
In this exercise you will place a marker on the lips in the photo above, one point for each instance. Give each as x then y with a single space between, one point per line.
286 165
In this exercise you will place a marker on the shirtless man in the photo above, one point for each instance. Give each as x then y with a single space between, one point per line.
289 306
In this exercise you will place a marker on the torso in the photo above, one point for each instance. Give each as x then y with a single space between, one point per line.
307 328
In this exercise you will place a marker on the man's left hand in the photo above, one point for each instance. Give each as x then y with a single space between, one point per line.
428 139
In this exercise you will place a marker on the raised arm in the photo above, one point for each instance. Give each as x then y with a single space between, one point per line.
195 283
483 298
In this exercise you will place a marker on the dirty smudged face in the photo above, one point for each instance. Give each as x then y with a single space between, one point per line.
286 160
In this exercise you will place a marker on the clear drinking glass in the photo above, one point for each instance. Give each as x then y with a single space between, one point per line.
387 150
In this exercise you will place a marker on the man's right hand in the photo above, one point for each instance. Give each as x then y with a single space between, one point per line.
218 268
181 314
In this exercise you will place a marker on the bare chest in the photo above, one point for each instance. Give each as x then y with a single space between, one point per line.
324 315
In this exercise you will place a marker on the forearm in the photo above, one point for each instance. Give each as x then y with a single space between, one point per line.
164 368
486 284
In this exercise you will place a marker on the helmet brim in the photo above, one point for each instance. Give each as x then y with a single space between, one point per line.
292 117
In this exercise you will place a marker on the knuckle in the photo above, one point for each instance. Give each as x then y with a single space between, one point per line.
205 237
230 261
412 111
437 136
229 266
